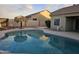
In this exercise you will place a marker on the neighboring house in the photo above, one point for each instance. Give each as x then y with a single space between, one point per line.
3 22
38 19
33 20
66 19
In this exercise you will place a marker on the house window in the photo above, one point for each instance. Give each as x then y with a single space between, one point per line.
35 19
57 22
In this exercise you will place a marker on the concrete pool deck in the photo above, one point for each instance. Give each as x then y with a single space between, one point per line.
73 35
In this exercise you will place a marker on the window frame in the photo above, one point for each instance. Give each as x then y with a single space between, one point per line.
34 19
57 22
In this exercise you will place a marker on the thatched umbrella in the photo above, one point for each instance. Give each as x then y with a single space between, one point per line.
4 20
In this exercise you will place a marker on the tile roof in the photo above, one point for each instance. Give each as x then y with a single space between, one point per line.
67 10
36 13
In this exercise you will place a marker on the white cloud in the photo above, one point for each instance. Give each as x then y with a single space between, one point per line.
29 6
53 7
12 10
68 5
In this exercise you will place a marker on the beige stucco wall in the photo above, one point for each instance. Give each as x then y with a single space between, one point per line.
62 23
12 23
46 14
65 25
32 23
41 18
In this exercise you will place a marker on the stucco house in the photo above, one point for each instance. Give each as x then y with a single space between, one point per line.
38 18
32 20
66 19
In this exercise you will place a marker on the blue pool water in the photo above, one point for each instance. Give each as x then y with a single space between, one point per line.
34 42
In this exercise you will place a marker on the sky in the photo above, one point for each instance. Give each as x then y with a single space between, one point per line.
13 10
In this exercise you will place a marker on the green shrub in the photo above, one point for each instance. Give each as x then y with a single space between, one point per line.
48 23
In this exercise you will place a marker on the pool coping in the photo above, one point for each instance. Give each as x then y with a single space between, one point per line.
63 34
2 33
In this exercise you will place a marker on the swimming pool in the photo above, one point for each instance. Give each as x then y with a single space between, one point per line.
37 42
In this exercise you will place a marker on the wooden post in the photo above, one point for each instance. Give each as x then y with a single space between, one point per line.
39 23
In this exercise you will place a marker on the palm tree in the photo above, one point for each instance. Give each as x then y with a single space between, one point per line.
19 19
